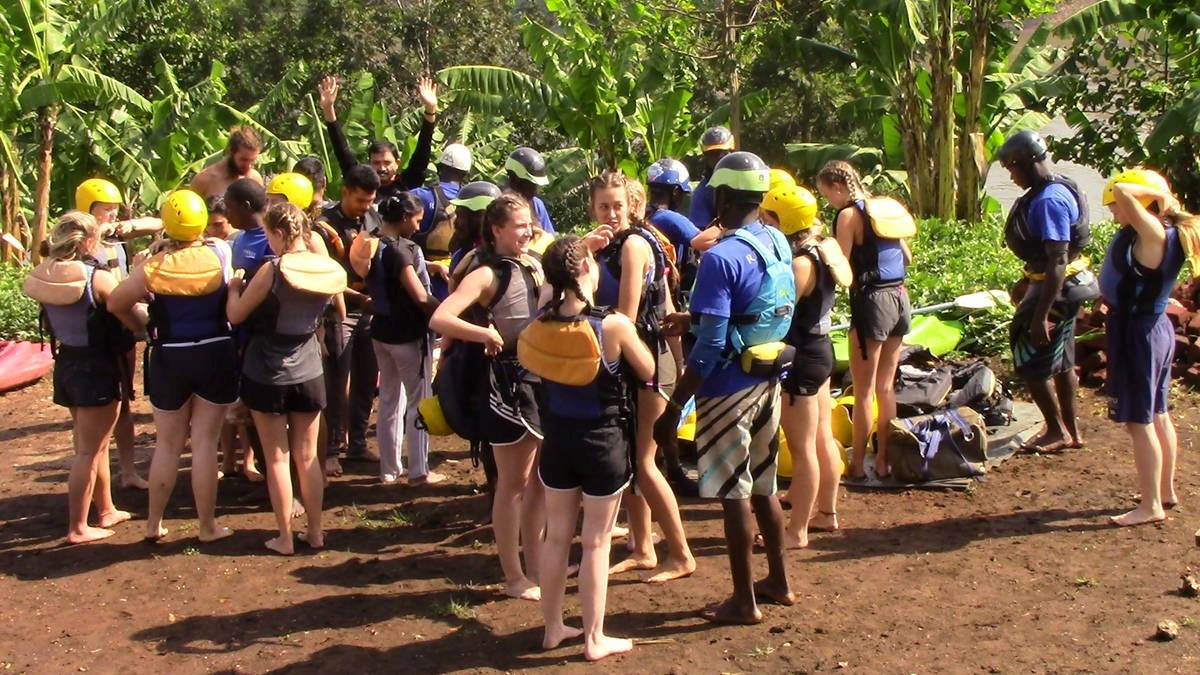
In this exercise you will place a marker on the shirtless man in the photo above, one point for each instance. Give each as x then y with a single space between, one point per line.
241 152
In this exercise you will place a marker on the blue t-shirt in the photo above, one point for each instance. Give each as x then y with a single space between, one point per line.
677 228
704 205
429 199
251 251
727 282
1052 212
543 216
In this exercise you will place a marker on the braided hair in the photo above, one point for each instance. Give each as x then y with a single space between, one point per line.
840 172
289 222
563 265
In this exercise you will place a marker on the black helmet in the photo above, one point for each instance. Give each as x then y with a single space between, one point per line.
528 164
476 196
744 173
1023 148
716 138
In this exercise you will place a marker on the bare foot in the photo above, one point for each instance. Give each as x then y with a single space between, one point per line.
252 473
133 482
312 541
882 470
297 509
633 563
618 532
631 543
823 521
431 478
602 646
780 594
113 517
523 590
792 540
1168 503
217 533
281 545
333 467
671 570
729 612
555 635
1138 517
154 536
89 534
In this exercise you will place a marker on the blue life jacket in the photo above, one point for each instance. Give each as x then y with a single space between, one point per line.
182 318
769 315
651 306
1131 288
877 262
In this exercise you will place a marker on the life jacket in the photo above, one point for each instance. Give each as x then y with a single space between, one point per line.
435 241
114 257
69 312
1131 288
888 218
339 232
364 251
769 315
1029 246
864 257
652 305
514 305
567 353
396 318
812 314
188 288
293 310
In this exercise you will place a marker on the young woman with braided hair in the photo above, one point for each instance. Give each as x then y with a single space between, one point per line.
880 312
283 378
631 283
586 448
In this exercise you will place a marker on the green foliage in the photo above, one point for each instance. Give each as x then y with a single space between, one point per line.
18 312
1130 87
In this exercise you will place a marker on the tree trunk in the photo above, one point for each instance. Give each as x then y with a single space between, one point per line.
942 109
47 118
735 76
971 151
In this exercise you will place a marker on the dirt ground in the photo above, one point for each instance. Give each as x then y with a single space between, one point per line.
1021 574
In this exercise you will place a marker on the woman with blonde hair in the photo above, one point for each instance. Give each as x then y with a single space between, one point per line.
72 289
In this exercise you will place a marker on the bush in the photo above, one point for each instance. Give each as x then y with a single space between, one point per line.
18 313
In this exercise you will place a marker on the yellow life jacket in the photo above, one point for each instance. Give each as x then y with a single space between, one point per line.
562 350
839 267
57 282
362 252
312 273
540 242
191 272
889 219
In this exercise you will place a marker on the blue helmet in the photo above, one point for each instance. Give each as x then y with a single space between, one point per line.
669 171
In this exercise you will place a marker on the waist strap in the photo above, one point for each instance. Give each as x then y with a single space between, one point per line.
1074 267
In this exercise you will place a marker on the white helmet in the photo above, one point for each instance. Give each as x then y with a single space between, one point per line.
456 156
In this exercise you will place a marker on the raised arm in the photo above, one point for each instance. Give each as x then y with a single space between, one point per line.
413 175
328 91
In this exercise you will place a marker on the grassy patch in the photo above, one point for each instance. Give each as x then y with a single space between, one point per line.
18 312
457 608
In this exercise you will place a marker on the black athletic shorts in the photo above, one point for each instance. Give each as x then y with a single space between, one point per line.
86 378
175 373
512 409
591 455
811 366
280 399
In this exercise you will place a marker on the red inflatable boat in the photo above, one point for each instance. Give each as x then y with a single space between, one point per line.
23 363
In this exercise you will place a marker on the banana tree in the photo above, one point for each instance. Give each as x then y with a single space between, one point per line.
46 68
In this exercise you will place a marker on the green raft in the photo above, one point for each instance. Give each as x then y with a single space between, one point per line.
938 336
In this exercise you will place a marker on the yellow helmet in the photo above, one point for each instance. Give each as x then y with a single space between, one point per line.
184 215
297 188
1146 177
431 415
95 190
795 207
780 178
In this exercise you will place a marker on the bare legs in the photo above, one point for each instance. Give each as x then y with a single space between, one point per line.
203 419
742 606
124 435
874 381
599 515
656 499
516 513
89 479
294 435
816 467
1154 453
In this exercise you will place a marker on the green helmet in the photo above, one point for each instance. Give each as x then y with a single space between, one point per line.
742 172
476 195
527 164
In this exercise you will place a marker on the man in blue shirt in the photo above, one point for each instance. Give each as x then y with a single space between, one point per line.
245 206
667 182
437 224
1047 229
737 413
526 173
716 142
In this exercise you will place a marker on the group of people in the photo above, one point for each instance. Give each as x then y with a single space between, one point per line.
262 296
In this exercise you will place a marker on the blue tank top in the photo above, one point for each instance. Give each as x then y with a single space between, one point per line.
1130 288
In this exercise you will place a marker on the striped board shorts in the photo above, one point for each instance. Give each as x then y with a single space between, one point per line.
737 440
